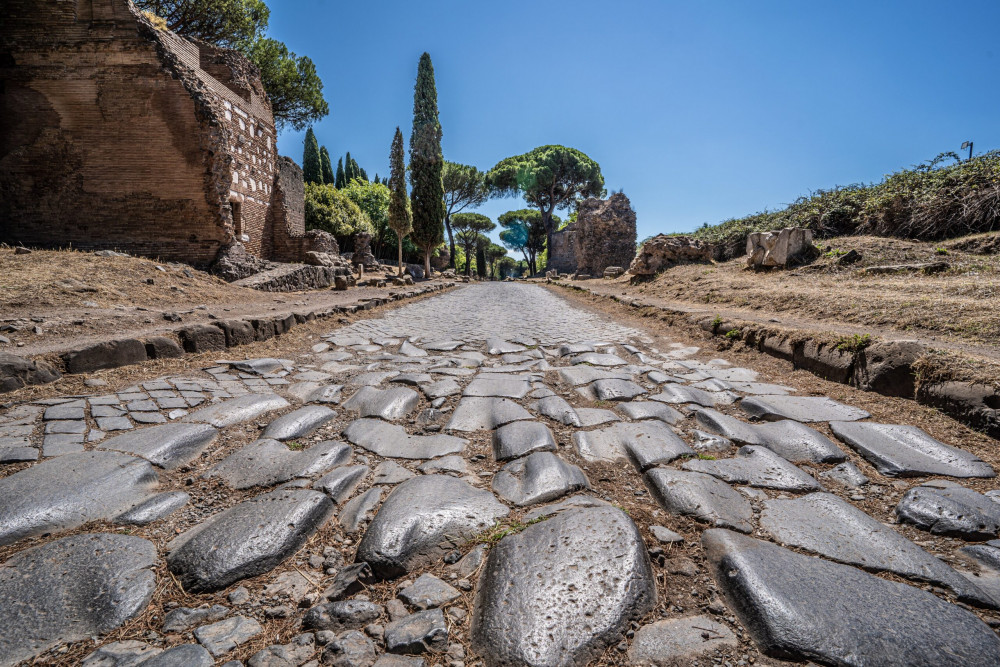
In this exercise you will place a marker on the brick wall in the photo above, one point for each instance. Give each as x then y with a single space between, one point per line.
562 255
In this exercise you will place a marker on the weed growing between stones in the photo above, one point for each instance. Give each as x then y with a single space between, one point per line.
491 536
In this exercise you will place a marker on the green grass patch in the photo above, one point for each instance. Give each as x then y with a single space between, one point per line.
854 343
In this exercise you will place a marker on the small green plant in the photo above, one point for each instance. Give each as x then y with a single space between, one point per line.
706 457
854 343
295 446
836 252
733 334
940 251
491 536
716 322
622 508
601 404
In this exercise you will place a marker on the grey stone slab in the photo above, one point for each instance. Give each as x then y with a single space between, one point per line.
71 589
664 535
757 467
185 655
390 472
590 417
60 444
393 441
76 427
299 423
659 377
248 539
557 408
446 464
168 446
148 418
422 632
520 438
182 619
142 406
422 519
389 404
442 345
580 375
18 454
372 378
157 507
574 348
62 412
237 410
261 366
805 608
563 590
502 387
411 350
800 408
498 346
358 511
412 379
484 414
538 478
709 442
429 592
342 482
114 423
596 359
71 490
679 641
441 389
826 525
701 497
789 439
638 410
127 653
846 474
645 443
222 637
342 615
295 653
268 462
907 451
953 511
678 394
616 390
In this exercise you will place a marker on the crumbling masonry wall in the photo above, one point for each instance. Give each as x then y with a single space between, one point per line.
603 235
116 135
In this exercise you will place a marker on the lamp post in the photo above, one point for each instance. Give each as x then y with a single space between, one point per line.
968 144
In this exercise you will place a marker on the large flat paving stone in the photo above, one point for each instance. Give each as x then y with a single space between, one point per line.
580 375
758 467
907 451
800 408
954 511
616 390
393 441
168 446
538 478
248 539
679 641
597 359
825 524
388 404
789 439
268 462
557 408
484 414
520 438
298 423
562 590
638 410
701 497
646 443
70 589
422 519
805 608
237 410
678 394
499 387
342 482
71 490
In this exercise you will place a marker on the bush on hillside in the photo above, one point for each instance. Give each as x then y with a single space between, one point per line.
332 211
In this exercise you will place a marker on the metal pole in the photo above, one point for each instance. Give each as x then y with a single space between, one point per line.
970 150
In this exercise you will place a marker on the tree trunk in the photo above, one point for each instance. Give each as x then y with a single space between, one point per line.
400 261
427 263
451 241
547 223
468 262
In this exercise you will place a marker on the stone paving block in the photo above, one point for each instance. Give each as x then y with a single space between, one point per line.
596 359
538 478
616 390
429 592
237 410
679 394
645 443
299 423
800 408
59 444
756 467
358 511
268 462
341 483
441 389
581 375
157 507
590 417
388 404
484 414
680 641
954 511
520 438
393 441
222 637
499 387
789 439
18 454
390 472
557 408
638 410
701 497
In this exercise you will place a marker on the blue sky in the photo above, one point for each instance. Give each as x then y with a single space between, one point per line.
698 110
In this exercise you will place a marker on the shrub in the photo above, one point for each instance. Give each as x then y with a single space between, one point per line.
854 343
332 211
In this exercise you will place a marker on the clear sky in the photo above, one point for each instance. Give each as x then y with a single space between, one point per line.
699 110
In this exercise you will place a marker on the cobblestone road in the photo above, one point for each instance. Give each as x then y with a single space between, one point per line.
490 476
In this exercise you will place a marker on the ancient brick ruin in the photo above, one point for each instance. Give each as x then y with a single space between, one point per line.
603 235
114 134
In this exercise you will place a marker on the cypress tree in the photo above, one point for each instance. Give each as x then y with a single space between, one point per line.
324 158
400 219
426 164
481 257
341 179
349 173
363 173
312 168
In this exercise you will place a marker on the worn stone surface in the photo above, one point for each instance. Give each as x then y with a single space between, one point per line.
954 511
646 443
800 408
786 601
662 251
393 441
183 619
247 539
531 608
428 592
156 507
185 655
341 615
350 649
71 589
390 472
557 408
342 482
222 637
415 523
650 410
269 462
779 248
389 404
846 474
538 478
825 524
678 394
616 390
757 467
422 632
679 641
120 654
789 439
907 451
701 497
298 423
167 445
498 387
237 410
358 511
71 490
293 654
484 414
520 438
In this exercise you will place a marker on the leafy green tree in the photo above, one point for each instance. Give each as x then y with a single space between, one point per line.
373 199
234 24
524 232
464 187
468 228
400 218
506 266
482 243
341 179
350 167
293 87
426 164
493 253
312 166
330 210
324 158
549 178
